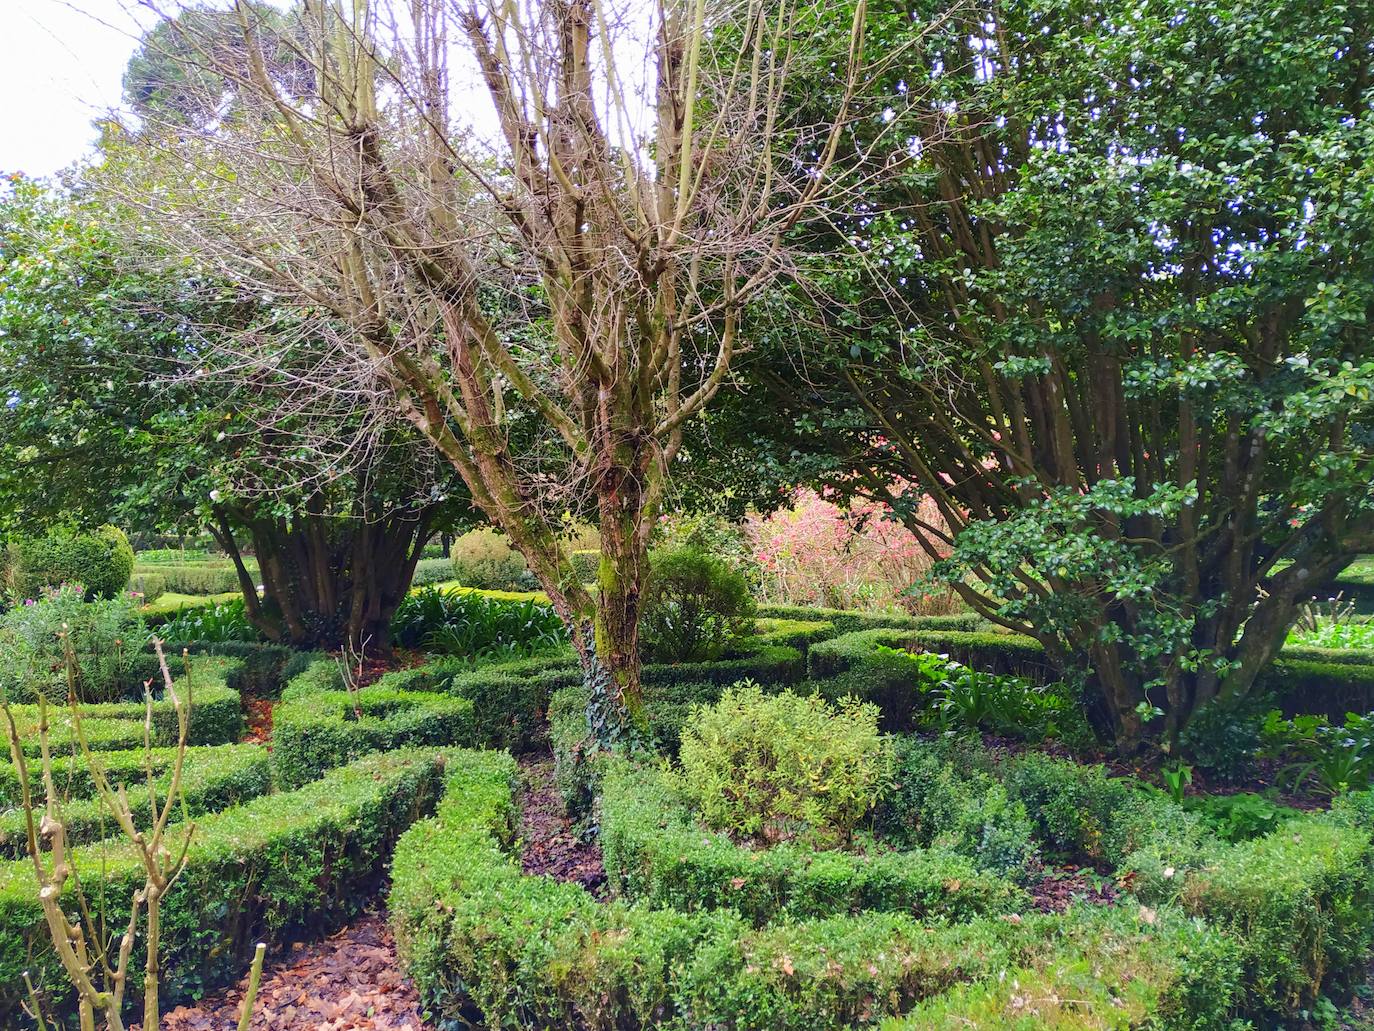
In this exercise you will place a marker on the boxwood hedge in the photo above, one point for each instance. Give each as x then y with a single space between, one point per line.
316 732
214 777
656 851
486 943
216 715
270 870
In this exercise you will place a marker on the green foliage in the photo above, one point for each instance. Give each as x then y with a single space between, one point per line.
272 870
945 797
312 733
1345 636
1084 816
475 626
779 767
693 606
216 712
1300 902
656 852
1333 759
224 621
197 578
106 638
1109 970
432 571
1239 817
101 561
483 559
214 777
147 587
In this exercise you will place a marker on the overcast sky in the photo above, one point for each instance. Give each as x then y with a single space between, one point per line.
60 66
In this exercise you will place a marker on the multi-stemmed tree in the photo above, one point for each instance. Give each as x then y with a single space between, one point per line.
105 417
549 295
1113 318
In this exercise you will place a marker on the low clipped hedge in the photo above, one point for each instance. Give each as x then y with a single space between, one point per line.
316 732
486 944
268 871
216 715
214 777
1302 680
1301 903
1112 970
656 851
208 577
792 633
846 621
1326 686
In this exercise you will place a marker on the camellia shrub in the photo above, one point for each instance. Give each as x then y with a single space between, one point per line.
784 766
101 560
695 604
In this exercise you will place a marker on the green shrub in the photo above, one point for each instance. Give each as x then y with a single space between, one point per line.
480 938
100 561
693 606
316 732
482 558
944 797
275 869
791 633
218 576
216 623
1082 815
147 587
1111 969
432 571
319 676
214 777
656 852
585 562
773 767
1299 901
475 626
171 604
106 637
216 715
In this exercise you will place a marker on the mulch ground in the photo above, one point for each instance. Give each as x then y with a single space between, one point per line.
352 980
349 982
552 845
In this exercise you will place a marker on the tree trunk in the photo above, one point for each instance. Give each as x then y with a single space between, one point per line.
329 581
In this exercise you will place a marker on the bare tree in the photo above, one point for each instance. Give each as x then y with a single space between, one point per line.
548 309
99 976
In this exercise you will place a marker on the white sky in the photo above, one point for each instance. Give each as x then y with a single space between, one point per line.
60 67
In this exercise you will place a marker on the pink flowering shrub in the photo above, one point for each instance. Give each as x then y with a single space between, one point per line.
817 553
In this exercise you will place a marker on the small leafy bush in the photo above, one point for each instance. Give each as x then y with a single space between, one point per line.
963 698
1239 817
1331 758
101 561
776 767
106 637
217 576
942 797
483 559
694 606
225 621
457 622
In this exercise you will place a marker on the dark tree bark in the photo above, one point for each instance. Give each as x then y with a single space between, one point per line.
328 580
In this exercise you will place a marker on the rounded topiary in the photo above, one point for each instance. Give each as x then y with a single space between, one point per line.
694 604
100 560
772 767
484 559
